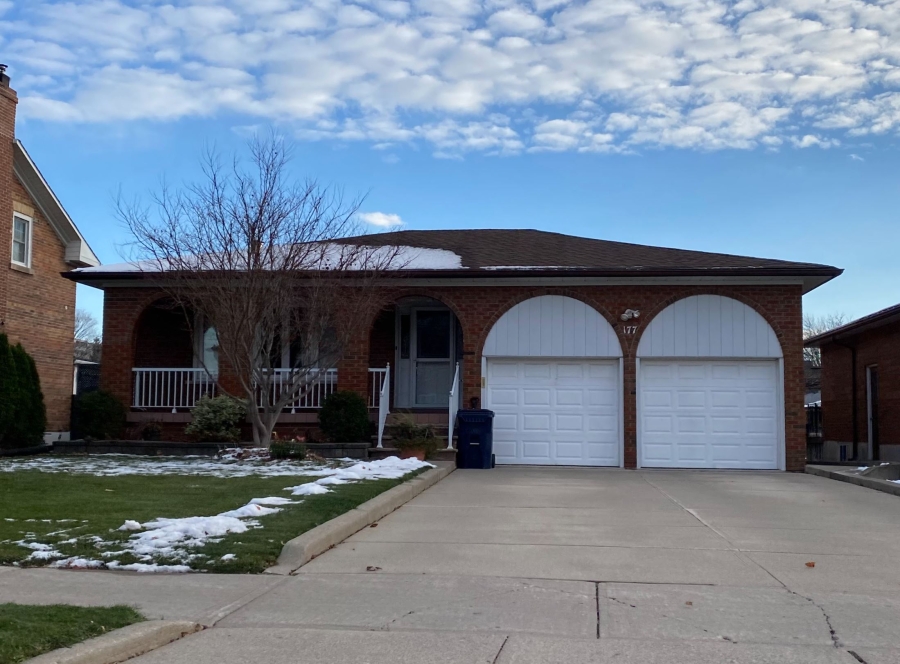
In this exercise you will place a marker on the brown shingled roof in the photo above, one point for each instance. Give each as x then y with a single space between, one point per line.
493 248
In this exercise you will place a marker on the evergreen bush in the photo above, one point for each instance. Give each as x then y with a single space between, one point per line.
216 419
23 416
98 415
344 418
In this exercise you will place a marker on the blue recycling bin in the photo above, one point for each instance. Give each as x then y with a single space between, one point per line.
475 441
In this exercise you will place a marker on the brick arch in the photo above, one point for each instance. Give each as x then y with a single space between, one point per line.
140 316
529 294
699 290
440 296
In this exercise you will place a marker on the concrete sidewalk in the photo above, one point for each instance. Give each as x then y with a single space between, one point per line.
556 565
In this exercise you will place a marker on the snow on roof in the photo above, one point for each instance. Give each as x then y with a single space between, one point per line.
390 257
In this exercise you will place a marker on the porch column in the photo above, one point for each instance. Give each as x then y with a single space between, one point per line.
353 369
122 308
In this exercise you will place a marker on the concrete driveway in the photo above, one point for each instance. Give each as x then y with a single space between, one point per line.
539 565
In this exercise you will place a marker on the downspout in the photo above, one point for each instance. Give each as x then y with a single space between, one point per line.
854 407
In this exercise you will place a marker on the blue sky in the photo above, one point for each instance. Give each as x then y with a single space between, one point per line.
757 128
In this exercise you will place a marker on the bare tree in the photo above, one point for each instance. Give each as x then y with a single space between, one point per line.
87 328
264 261
815 325
87 336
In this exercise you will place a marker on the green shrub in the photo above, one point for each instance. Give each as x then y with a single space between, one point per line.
8 390
287 450
344 418
98 415
216 419
23 416
406 434
31 415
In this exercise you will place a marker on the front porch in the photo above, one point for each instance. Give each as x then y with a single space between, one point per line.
414 359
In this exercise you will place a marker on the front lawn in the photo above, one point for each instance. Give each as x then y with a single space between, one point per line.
28 631
173 514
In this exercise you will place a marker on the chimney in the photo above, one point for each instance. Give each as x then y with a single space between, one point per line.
8 101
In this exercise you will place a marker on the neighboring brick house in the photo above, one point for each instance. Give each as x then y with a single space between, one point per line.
861 388
589 352
37 305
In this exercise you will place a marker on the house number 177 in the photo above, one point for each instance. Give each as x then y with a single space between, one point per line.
629 330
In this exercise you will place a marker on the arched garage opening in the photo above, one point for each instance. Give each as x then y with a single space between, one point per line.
552 373
710 382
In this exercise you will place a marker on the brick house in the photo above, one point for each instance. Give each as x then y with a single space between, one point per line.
590 352
37 305
861 388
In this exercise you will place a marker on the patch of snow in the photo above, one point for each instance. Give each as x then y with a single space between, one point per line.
149 568
388 468
228 556
250 509
862 468
170 537
331 256
273 500
130 525
310 489
117 465
76 562
894 481
45 554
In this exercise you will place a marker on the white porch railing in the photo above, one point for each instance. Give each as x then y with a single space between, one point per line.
323 383
454 406
171 388
379 379
384 403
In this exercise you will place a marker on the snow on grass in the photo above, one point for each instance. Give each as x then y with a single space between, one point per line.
173 544
247 462
388 468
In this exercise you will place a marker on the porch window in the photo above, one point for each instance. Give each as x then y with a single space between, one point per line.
207 347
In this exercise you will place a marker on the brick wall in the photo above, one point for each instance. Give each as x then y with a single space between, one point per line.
37 307
8 102
880 347
479 308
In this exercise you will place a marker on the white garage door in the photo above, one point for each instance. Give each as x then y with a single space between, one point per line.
709 414
554 412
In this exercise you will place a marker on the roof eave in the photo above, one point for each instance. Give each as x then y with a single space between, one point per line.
811 277
855 328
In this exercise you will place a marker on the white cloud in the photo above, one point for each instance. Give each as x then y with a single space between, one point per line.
856 157
473 75
381 219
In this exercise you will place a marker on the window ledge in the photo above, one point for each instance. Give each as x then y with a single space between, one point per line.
20 268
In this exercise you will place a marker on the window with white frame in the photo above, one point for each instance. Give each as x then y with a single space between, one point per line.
21 240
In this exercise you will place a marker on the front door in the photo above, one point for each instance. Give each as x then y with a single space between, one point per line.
425 357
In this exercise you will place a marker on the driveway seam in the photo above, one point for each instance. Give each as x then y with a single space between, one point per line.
835 640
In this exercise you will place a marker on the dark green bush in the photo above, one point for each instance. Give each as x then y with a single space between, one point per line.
344 418
98 415
406 434
216 419
287 450
23 416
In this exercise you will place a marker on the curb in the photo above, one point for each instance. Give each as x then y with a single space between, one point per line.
878 485
300 550
120 644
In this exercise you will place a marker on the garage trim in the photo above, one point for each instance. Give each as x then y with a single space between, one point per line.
568 329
